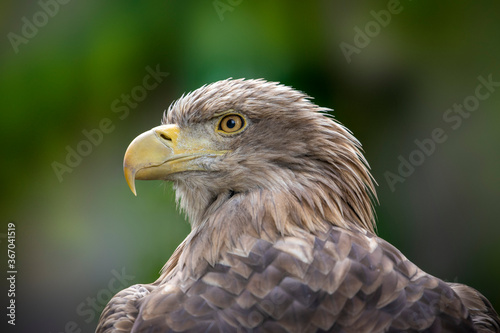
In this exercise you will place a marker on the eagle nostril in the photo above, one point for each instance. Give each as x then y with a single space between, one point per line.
167 134
165 137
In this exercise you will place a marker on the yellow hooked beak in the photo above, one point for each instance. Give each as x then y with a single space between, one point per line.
162 151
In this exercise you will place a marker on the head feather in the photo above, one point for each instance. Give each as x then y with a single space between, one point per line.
295 170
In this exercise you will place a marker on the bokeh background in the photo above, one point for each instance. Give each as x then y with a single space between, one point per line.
77 231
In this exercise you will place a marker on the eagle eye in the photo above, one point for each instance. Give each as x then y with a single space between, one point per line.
231 124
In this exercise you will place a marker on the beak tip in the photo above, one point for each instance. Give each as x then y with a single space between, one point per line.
130 178
131 185
132 188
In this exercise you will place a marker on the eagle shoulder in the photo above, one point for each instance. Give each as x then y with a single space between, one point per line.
120 313
340 280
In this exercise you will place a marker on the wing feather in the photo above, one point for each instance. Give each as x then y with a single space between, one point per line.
340 281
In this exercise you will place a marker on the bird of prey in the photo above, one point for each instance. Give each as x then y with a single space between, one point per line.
279 197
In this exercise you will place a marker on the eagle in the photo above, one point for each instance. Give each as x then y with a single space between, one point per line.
283 237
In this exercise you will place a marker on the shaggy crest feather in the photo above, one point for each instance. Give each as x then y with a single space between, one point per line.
344 195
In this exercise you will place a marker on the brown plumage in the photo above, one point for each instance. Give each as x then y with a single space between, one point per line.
279 198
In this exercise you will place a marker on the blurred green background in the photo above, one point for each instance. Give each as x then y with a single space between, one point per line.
77 231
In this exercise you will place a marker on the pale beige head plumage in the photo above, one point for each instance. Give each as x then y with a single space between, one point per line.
290 148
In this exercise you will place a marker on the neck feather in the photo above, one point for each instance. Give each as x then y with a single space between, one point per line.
221 222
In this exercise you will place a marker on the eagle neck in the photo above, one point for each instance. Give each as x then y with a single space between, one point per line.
233 220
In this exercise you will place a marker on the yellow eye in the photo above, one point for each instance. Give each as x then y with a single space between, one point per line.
231 124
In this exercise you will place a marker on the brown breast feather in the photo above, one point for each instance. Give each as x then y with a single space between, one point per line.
339 281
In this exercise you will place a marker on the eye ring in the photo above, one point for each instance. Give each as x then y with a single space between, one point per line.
231 124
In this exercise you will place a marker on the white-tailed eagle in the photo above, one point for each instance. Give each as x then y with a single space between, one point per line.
279 197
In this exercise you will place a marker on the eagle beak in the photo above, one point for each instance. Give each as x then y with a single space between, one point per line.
162 151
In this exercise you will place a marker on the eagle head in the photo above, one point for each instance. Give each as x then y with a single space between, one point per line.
259 142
